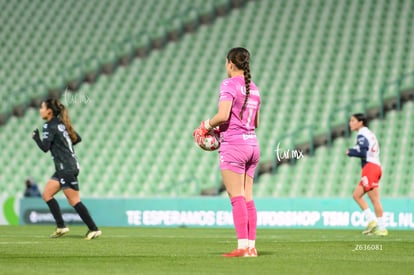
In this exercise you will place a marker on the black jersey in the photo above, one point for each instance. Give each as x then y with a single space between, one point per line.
56 139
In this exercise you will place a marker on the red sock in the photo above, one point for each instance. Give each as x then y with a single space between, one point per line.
252 217
240 216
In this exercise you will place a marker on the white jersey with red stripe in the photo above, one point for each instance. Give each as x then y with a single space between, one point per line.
367 147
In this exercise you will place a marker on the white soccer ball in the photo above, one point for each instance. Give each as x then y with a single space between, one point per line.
211 142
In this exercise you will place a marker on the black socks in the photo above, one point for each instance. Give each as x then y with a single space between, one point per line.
55 210
85 216
79 207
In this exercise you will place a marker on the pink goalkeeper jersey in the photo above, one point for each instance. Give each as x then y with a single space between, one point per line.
236 130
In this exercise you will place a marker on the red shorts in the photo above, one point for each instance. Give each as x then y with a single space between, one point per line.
371 175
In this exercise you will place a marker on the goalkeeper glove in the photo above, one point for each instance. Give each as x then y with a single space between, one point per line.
200 133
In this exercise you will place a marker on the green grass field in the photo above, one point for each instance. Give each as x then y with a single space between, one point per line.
28 250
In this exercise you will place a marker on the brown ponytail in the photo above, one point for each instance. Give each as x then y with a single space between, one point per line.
59 110
240 57
64 116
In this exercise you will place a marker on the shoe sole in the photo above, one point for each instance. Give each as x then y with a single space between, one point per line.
234 256
367 232
94 236
58 235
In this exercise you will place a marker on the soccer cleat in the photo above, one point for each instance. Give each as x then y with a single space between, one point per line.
59 232
379 232
240 252
370 228
251 252
92 234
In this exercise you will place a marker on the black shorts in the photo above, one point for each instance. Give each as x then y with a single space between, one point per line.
67 179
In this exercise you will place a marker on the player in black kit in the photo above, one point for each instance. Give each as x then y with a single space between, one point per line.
59 137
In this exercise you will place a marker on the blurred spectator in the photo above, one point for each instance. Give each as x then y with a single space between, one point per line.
31 188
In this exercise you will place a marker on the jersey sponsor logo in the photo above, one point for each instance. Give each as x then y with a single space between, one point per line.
252 92
249 136
45 126
61 127
361 140
252 103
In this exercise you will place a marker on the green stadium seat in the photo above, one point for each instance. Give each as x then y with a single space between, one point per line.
304 68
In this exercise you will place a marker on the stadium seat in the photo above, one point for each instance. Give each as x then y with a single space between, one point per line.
305 68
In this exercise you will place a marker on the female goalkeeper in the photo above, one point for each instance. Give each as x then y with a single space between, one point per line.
237 118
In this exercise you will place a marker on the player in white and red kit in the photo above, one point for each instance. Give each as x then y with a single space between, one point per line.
367 149
237 118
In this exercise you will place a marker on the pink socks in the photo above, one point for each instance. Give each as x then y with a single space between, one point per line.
240 217
252 218
245 221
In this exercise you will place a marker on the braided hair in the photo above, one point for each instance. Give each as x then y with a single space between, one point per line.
59 110
240 57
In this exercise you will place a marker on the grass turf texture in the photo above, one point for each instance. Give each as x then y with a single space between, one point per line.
28 250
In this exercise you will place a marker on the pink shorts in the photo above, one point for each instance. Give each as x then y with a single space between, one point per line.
371 174
239 158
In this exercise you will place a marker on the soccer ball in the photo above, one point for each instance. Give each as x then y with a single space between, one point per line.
211 142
